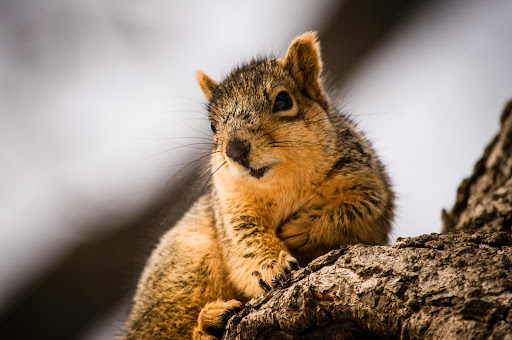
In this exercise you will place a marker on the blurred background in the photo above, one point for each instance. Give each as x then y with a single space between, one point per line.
102 126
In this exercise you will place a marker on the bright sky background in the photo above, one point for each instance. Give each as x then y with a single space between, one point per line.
87 86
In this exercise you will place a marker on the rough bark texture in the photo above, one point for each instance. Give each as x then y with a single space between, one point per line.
456 285
484 200
433 286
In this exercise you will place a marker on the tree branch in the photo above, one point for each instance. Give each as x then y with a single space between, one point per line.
484 200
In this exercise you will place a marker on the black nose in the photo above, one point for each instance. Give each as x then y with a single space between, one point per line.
238 151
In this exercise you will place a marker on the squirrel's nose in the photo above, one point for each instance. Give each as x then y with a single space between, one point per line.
238 151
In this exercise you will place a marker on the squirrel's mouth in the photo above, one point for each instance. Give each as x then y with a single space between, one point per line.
244 169
258 173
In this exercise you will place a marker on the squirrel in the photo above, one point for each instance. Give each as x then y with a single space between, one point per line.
292 179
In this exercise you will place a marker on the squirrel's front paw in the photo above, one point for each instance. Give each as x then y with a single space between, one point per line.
294 234
273 273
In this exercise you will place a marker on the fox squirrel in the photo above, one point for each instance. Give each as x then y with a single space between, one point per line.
292 180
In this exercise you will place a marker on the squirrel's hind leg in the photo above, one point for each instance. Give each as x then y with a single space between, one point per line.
213 318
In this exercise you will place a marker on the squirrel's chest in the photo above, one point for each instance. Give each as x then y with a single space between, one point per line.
271 207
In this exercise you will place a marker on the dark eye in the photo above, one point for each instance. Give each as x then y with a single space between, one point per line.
283 102
212 126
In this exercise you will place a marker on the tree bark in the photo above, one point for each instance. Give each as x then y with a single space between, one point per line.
456 285
484 200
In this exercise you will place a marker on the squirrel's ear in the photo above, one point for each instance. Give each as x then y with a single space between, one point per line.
207 84
303 61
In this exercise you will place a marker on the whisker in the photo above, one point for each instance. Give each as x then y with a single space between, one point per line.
184 163
207 181
201 132
206 155
178 147
209 178
180 174
176 138
185 110
192 99
176 175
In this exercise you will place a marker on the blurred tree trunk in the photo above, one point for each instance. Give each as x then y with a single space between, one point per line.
456 285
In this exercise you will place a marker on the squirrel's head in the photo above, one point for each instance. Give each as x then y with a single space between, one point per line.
269 117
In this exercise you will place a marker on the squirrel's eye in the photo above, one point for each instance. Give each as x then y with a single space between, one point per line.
212 126
283 102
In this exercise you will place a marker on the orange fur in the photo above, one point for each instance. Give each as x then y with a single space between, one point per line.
207 85
291 180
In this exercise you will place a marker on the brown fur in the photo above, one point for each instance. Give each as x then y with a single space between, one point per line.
307 183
